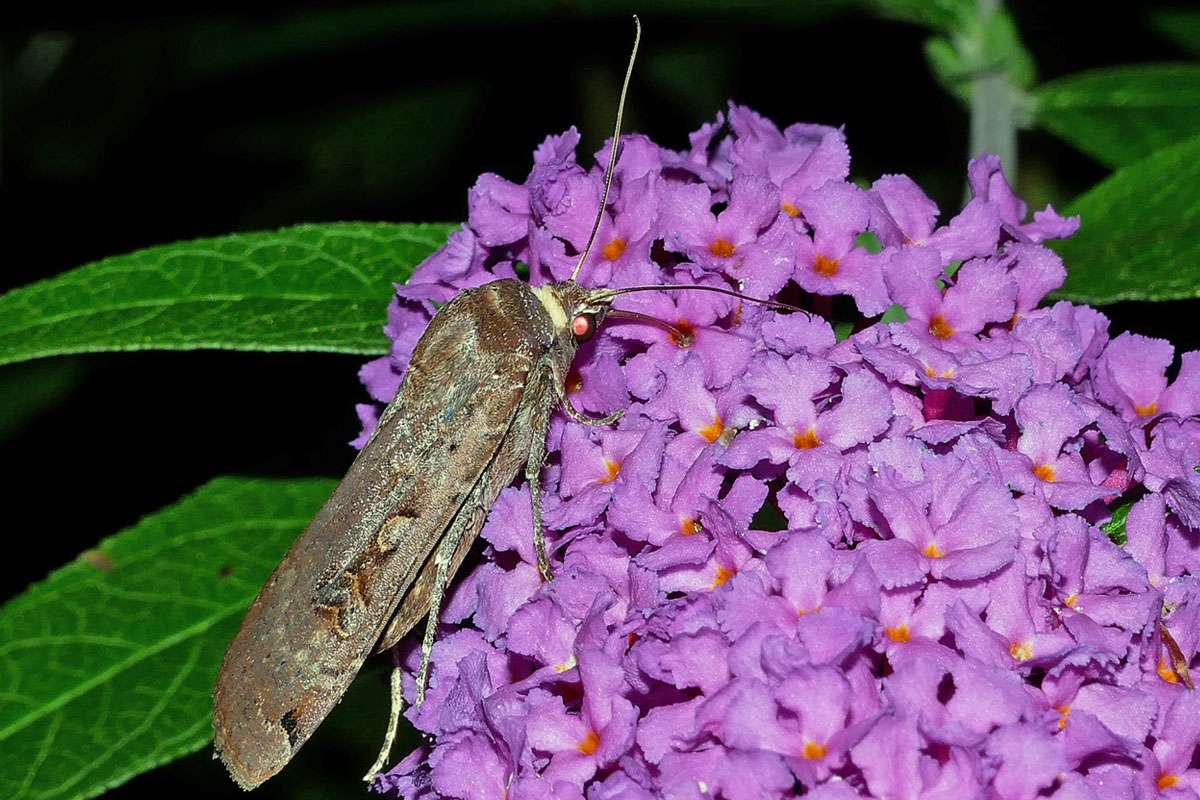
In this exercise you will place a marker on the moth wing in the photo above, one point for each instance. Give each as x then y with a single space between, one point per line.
528 430
318 616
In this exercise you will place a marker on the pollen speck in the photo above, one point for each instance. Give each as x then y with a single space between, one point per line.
899 634
722 248
590 743
614 249
1146 411
1021 651
574 382
1045 472
807 440
791 209
713 430
566 665
613 468
814 751
826 266
1071 600
940 328
932 551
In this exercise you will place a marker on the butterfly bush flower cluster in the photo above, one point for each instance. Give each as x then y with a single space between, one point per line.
867 564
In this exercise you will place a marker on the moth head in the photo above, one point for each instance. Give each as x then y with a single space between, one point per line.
582 310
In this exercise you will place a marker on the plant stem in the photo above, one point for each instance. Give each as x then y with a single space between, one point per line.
993 125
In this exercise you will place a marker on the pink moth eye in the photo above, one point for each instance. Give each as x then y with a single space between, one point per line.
583 326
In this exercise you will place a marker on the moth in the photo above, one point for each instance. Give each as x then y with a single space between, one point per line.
472 413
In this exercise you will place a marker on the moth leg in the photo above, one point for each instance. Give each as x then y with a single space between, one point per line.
577 415
443 559
539 425
598 422
388 738
533 474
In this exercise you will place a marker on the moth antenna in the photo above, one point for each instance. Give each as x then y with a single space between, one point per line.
612 154
608 294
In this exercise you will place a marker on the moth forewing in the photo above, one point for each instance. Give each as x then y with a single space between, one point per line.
444 448
473 408
530 423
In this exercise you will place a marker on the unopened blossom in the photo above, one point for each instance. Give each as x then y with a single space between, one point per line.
952 556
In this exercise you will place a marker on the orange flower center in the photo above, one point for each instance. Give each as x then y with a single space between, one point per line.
1167 781
1045 472
690 526
899 634
686 335
614 249
589 743
1063 713
1146 411
791 209
723 576
826 266
613 470
1071 600
1166 672
807 440
932 551
722 248
713 430
1021 651
940 328
814 751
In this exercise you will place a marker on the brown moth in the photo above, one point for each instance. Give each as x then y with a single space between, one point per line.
472 411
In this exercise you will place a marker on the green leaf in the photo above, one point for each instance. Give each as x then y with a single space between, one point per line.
109 663
1138 240
1121 114
311 287
1181 27
1115 527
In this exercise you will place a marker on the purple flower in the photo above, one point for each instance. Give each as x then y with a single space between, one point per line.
814 422
979 294
988 183
830 261
1130 376
903 215
804 566
954 524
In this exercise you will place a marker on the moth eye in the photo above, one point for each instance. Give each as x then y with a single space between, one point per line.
583 326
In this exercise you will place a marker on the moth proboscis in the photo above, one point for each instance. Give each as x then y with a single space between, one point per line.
472 411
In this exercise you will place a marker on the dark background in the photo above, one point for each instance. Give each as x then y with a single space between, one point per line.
125 129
